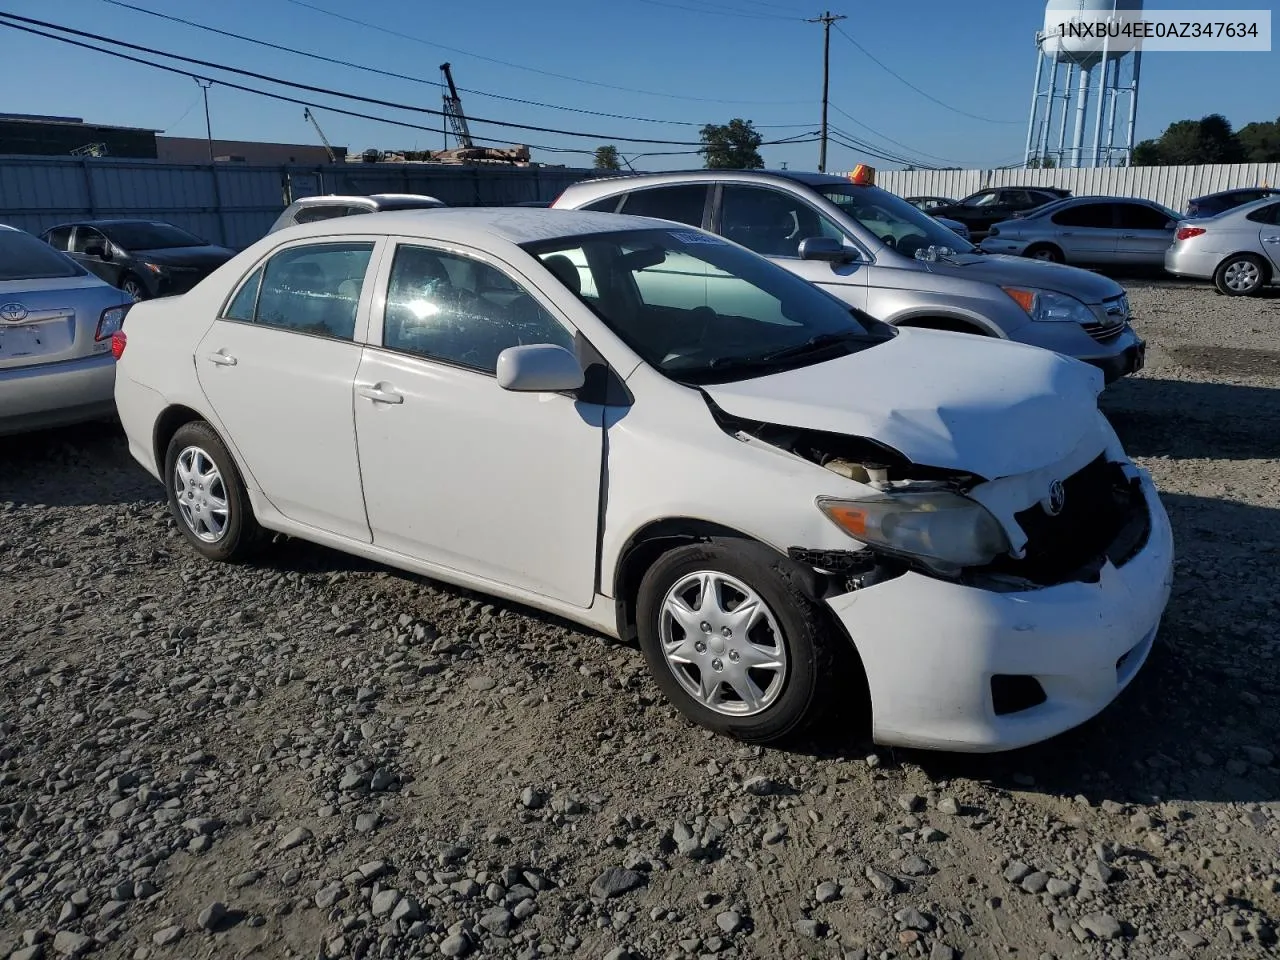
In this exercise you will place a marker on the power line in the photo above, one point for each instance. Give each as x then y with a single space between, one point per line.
295 100
519 66
849 142
889 70
722 11
412 79
375 101
884 136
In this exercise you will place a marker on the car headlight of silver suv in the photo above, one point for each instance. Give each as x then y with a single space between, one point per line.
944 530
1049 306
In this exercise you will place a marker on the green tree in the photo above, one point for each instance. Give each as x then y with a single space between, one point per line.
1261 141
607 157
1185 142
732 146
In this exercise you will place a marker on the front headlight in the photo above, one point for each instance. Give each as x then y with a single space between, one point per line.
942 529
1050 306
158 268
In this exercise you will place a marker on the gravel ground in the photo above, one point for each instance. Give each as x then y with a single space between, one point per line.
317 757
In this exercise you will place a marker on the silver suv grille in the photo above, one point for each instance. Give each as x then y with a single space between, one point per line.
1115 320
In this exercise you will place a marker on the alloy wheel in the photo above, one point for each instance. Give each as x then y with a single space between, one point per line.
1242 276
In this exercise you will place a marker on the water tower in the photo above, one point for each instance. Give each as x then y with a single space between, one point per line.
1075 74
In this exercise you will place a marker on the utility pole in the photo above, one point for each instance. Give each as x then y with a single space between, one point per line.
208 127
827 19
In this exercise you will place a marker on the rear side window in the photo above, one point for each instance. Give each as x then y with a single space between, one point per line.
245 301
1138 216
327 211
314 289
59 238
683 204
609 205
1268 214
1085 215
24 257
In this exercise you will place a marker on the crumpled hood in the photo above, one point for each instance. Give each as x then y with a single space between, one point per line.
952 400
1007 271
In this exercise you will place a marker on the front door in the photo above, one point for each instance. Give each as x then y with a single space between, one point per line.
1269 236
773 222
92 250
1086 232
457 471
282 359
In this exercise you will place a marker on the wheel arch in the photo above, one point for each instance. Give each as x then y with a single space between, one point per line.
1044 245
954 324
171 419
1268 268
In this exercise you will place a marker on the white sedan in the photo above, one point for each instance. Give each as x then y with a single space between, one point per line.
650 430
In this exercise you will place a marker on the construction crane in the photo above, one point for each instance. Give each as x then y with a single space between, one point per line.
308 115
453 110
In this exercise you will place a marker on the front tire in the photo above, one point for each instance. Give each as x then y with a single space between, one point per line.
1046 253
134 287
736 640
1243 275
207 496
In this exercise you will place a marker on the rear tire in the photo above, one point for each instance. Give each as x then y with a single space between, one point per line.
782 656
207 496
1045 252
1241 275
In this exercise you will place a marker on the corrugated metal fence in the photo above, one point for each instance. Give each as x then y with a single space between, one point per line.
234 204
1172 186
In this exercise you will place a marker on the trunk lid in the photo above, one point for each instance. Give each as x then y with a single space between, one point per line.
47 321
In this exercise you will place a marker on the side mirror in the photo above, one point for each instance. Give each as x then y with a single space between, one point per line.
539 368
97 250
825 248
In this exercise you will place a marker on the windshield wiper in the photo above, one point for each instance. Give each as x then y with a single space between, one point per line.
819 343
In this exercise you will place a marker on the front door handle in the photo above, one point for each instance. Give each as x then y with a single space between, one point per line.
222 359
1128 236
379 393
1271 239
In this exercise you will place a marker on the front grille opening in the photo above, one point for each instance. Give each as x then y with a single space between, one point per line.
1104 517
1013 693
1104 332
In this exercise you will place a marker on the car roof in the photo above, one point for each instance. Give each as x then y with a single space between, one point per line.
112 222
375 197
1233 191
517 225
796 176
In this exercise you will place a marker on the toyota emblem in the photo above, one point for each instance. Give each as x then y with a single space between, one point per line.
1057 498
13 312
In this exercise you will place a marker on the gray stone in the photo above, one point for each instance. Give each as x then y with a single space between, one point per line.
912 919
407 910
532 799
1035 882
759 786
212 915
941 951
1017 871
881 880
618 953
827 892
167 936
330 894
1057 888
730 922
33 952
1192 939
497 921
455 946
203 825
1101 925
1259 755
384 902
366 822
70 944
809 928
911 802
614 882
246 879
949 805
294 838
1099 871
352 781
914 865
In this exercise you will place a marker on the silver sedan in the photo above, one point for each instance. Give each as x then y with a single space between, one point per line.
1238 250
56 326
1089 231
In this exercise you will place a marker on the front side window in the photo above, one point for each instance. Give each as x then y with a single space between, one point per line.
314 289
24 257
701 310
86 237
894 221
451 308
683 204
1095 215
984 198
771 222
1139 216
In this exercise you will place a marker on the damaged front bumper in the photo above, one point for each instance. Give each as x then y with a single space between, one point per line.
959 667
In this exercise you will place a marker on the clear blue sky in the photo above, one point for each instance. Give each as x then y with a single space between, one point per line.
754 59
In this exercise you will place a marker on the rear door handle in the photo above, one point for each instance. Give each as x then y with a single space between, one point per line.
379 393
1128 236
1271 239
222 359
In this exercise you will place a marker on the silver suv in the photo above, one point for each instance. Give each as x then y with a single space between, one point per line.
877 252
328 206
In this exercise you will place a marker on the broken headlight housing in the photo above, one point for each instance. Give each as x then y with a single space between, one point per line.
943 530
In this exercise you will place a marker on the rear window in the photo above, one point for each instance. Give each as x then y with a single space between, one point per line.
153 235
23 257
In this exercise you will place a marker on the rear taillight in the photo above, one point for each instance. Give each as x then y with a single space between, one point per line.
111 320
118 343
993 232
1186 233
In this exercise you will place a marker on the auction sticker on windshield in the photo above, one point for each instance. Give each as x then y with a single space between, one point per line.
696 238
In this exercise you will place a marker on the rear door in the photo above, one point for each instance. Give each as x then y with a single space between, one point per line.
1268 220
1144 234
1087 233
278 368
